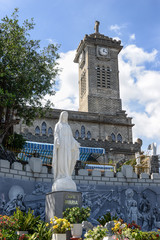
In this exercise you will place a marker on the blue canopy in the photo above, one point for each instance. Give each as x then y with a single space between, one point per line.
45 151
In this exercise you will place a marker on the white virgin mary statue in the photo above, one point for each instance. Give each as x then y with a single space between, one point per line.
65 155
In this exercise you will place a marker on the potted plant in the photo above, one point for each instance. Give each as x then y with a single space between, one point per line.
76 216
43 231
98 233
26 222
59 227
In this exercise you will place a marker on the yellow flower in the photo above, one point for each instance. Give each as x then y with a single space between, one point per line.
55 226
47 224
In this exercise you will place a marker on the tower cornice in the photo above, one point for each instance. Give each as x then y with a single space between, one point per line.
97 39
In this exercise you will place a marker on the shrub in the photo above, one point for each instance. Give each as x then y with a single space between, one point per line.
98 233
15 141
76 214
43 232
106 218
26 221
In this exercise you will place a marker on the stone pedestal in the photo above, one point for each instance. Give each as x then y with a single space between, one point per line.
154 164
57 202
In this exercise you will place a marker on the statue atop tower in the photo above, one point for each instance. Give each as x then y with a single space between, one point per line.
96 27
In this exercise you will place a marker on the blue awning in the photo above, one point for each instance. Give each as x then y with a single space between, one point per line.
46 151
85 152
92 150
96 166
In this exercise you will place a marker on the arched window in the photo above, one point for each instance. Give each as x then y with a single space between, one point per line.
89 135
37 130
44 128
119 137
82 132
50 131
76 134
113 137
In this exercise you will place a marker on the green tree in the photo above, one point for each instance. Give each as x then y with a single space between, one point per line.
27 73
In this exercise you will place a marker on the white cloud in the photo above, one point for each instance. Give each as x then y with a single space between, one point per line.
140 89
132 37
117 38
136 55
117 28
52 41
67 95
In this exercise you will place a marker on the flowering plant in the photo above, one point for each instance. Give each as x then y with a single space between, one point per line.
60 225
76 214
132 231
119 229
133 225
97 233
137 234
7 222
23 237
8 226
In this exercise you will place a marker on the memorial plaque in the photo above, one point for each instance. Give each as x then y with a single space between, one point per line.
71 200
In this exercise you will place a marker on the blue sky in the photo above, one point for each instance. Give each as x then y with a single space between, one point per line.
136 23
67 21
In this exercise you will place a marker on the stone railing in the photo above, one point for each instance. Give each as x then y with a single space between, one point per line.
126 177
24 172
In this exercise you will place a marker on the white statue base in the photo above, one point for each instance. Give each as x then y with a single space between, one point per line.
64 184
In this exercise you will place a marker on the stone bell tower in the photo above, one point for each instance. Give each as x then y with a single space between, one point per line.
97 56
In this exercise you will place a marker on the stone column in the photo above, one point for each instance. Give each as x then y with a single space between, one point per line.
154 164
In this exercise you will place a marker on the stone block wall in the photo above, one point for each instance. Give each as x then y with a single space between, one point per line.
89 177
101 190
124 178
23 172
104 105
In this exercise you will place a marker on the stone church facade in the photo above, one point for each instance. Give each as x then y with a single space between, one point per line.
100 121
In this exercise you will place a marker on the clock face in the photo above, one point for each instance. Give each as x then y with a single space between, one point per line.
103 51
